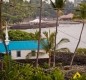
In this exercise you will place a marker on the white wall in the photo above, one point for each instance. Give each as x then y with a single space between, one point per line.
24 54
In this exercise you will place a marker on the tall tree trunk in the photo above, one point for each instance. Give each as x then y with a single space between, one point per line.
0 16
1 30
6 47
55 39
49 62
39 33
71 63
30 1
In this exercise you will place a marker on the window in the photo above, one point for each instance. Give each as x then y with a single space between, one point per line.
10 53
33 52
18 53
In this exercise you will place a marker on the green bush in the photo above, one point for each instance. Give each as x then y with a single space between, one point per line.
46 66
81 51
17 35
57 74
17 71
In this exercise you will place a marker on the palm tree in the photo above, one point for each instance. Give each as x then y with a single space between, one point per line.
48 43
39 33
58 5
82 15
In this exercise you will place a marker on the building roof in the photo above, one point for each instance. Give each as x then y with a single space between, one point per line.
36 21
2 48
20 45
68 16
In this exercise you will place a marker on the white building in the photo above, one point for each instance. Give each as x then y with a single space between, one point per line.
22 49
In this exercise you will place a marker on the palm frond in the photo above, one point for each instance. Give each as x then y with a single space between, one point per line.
45 34
52 37
63 40
45 45
53 5
63 50
59 3
48 42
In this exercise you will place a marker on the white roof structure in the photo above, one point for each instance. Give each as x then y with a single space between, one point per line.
69 16
35 21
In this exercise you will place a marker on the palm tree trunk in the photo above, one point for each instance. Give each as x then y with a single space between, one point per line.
30 1
49 62
1 32
6 47
39 33
55 39
71 63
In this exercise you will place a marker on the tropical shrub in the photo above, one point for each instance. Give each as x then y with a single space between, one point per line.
17 71
45 66
22 35
56 74
81 51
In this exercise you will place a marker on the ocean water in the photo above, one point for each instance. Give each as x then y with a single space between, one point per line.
70 31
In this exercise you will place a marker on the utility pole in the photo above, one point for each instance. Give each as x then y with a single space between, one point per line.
39 38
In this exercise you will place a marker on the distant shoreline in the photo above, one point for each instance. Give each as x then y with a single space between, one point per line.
69 22
46 24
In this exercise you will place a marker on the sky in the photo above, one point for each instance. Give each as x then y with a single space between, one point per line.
72 0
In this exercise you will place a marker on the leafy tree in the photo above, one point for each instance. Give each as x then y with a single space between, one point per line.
15 11
82 14
57 5
21 35
69 7
47 10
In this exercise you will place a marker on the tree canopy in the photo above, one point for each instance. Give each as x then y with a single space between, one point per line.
80 11
16 11
21 35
